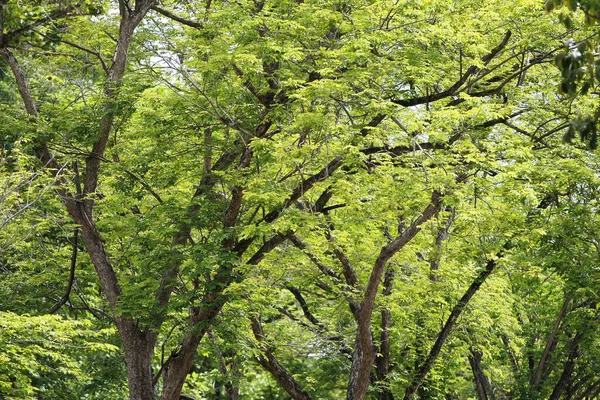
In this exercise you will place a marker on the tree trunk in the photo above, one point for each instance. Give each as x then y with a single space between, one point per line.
484 389
364 348
139 349
382 361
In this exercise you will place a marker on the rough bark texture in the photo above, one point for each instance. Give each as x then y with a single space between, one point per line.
138 345
139 349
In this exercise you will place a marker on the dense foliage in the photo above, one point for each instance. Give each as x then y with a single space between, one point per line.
305 199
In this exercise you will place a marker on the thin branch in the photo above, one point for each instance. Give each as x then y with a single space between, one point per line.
65 298
144 184
62 13
304 306
549 343
181 20
427 364
323 268
90 51
304 186
453 90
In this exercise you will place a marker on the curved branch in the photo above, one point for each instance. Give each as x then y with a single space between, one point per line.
364 349
453 90
62 13
427 364
177 18
65 298
270 363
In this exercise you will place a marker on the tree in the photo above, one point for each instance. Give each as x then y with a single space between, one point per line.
345 177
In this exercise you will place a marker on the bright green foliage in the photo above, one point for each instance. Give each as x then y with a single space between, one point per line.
48 357
371 106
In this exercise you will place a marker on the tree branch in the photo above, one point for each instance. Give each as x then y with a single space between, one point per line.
427 364
453 90
61 13
566 375
382 361
174 17
323 268
364 352
550 342
484 389
89 51
65 298
270 363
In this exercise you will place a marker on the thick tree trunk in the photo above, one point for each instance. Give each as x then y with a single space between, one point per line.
139 349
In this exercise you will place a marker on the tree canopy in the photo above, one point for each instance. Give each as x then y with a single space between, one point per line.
298 199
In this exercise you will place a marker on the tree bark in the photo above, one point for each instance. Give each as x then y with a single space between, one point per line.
382 361
138 345
364 348
589 391
139 349
270 363
442 235
549 344
567 374
482 383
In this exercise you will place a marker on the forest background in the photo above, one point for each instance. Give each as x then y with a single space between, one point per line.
307 199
